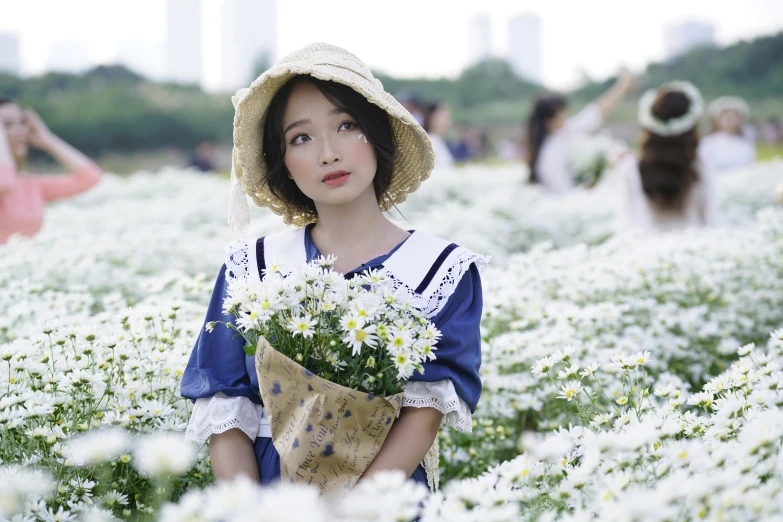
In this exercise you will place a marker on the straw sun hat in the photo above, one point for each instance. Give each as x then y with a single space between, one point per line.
415 158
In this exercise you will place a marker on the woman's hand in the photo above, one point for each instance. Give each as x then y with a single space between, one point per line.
6 158
40 136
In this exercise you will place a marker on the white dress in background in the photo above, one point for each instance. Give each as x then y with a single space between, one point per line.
721 151
700 209
552 164
443 156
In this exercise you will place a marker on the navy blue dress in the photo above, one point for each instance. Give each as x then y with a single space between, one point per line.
218 362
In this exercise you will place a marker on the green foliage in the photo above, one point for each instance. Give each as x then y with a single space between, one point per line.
486 87
111 108
751 69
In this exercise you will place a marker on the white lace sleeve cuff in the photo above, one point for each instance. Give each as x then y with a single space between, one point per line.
221 413
442 396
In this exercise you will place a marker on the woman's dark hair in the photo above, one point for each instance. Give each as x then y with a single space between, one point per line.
6 99
371 120
668 163
544 109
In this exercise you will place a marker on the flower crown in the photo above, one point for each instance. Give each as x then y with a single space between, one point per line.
674 126
724 103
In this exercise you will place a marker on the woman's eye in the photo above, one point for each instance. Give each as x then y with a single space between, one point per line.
299 139
347 126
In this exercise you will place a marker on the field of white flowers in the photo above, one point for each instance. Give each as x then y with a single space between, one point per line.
625 377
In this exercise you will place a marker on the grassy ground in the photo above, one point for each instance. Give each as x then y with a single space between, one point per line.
768 151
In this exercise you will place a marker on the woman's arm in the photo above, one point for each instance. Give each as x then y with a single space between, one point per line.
232 455
609 100
409 440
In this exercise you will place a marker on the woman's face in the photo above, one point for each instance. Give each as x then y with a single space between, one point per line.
441 119
729 121
557 121
326 153
16 129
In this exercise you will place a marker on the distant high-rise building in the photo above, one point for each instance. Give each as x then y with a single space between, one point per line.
249 40
681 38
524 46
70 56
183 63
480 38
141 56
9 53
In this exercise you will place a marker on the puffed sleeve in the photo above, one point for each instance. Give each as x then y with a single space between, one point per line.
218 362
217 378
451 382
585 121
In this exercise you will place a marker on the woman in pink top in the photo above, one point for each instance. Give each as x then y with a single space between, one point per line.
23 197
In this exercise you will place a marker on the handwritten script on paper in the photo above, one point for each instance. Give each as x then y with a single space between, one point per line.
326 434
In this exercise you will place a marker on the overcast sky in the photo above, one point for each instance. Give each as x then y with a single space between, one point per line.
405 37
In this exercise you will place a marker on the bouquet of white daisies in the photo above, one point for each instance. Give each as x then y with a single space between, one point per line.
332 356
590 157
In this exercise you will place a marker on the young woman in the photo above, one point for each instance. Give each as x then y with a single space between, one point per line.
437 121
668 187
320 143
550 133
23 197
730 145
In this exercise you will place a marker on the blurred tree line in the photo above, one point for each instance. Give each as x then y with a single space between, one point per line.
753 70
112 109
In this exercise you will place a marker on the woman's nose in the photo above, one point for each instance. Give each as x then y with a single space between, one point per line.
329 154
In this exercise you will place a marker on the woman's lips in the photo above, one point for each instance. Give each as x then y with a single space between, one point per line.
336 178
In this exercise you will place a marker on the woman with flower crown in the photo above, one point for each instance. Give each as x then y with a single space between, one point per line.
729 145
319 142
668 187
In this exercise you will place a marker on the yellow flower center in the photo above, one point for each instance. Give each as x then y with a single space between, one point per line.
361 335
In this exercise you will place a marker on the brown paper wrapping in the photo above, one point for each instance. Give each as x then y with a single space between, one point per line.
326 434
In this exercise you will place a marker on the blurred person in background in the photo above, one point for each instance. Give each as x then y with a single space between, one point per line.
24 196
730 144
412 104
203 157
437 122
550 133
460 149
668 187
771 131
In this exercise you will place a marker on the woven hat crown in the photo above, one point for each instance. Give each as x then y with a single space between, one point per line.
414 155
